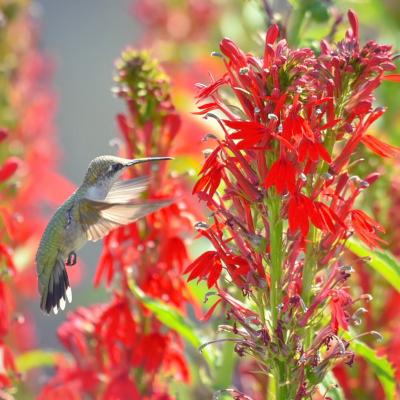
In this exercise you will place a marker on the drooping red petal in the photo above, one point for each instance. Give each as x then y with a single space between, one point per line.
392 78
282 175
353 19
8 168
212 88
214 273
232 51
105 267
366 228
381 148
210 312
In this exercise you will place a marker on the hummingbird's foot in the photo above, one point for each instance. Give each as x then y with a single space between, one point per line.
71 258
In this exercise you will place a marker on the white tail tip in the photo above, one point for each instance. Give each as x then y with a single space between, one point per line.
62 303
68 293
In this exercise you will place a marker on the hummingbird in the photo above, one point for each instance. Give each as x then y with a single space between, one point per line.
102 203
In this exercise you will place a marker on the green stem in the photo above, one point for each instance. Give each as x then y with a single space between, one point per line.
309 271
281 388
276 253
309 266
298 16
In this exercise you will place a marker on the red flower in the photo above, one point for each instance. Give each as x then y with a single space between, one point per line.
105 265
300 210
282 175
295 127
314 151
209 90
121 388
70 384
8 168
251 134
366 228
7 366
116 327
208 264
339 302
381 148
211 175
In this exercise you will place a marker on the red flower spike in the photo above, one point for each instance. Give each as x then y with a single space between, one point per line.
288 100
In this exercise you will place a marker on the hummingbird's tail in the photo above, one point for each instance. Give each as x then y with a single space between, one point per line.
54 288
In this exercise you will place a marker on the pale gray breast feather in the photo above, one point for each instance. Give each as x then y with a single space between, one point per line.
97 192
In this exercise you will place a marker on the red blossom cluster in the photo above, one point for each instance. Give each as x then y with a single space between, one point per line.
120 350
280 187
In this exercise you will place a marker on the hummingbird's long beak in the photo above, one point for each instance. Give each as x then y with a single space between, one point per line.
147 159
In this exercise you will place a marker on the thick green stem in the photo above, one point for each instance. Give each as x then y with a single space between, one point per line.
281 388
276 253
309 271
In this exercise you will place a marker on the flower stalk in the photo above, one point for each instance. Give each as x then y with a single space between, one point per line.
287 206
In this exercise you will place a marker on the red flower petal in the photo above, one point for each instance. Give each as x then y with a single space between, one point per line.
381 148
8 168
210 312
392 78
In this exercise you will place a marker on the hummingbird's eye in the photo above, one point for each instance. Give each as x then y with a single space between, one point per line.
116 167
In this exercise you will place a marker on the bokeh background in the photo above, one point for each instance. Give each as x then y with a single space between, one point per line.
82 42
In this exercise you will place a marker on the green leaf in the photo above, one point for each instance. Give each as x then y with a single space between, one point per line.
173 319
383 262
381 366
330 387
36 359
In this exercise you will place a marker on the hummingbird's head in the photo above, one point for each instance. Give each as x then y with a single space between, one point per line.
109 168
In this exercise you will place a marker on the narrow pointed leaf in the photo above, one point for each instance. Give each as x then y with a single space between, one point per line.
383 262
380 365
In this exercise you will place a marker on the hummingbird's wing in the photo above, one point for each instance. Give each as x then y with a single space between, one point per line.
121 191
98 218
126 191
